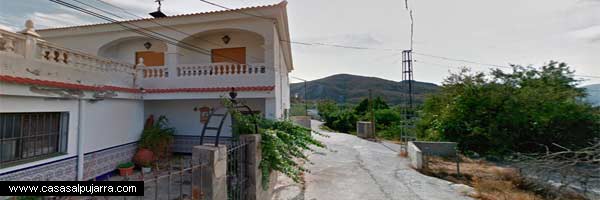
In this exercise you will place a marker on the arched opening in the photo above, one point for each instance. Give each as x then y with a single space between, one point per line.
223 46
130 49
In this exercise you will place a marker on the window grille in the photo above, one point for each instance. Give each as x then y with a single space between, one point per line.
31 136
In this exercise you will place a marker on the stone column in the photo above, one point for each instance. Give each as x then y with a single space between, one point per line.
255 187
211 179
171 60
30 41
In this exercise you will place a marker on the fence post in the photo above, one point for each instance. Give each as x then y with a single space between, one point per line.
211 178
255 187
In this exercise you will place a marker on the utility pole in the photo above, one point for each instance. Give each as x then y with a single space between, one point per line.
305 93
305 99
407 106
372 112
407 74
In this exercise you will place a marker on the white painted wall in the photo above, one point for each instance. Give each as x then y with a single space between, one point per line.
270 108
285 82
106 124
253 42
124 49
112 122
182 116
94 39
32 104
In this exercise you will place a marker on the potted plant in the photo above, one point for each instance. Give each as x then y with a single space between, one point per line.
155 141
146 168
125 169
143 156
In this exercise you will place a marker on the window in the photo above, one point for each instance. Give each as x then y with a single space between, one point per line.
151 58
30 136
229 55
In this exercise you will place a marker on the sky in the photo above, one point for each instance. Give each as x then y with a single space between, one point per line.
524 32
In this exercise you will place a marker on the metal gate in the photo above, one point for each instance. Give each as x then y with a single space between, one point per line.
237 171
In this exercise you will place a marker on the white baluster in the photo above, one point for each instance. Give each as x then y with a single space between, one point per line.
140 63
9 45
59 56
51 55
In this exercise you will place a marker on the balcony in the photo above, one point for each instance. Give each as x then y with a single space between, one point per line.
34 61
29 59
206 70
211 75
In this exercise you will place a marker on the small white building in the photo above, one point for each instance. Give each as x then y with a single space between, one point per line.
73 100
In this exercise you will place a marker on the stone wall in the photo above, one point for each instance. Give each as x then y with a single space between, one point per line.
364 129
105 161
437 148
418 151
213 176
415 155
95 164
61 170
301 120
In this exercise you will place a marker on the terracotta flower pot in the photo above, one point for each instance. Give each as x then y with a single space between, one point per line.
143 157
126 171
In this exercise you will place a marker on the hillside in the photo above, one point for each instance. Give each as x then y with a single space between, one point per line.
353 88
593 94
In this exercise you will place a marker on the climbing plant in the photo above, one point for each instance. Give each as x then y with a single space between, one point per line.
283 145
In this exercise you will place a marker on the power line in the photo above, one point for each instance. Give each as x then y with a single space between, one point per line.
238 11
149 34
338 46
461 60
165 26
207 52
175 42
416 53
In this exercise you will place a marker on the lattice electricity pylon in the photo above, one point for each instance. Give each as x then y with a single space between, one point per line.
407 132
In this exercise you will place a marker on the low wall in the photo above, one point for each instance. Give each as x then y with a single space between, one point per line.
214 178
415 155
301 120
418 151
256 191
95 164
437 148
364 129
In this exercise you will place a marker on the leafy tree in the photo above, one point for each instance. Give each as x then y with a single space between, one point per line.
363 106
386 117
525 110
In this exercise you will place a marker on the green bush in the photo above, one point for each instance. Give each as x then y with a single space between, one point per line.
386 117
363 106
391 132
523 111
283 143
125 165
157 137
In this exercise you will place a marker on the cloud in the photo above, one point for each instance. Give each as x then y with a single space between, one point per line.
7 28
352 39
57 19
4 25
591 33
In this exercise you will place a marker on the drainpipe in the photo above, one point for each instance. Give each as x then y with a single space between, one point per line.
80 153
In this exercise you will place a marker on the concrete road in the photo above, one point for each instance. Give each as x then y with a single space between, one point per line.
353 168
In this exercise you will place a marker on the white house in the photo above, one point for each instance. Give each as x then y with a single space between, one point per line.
73 100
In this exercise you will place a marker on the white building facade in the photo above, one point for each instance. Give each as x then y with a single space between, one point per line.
73 100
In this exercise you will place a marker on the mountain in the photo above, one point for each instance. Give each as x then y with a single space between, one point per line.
593 94
353 88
